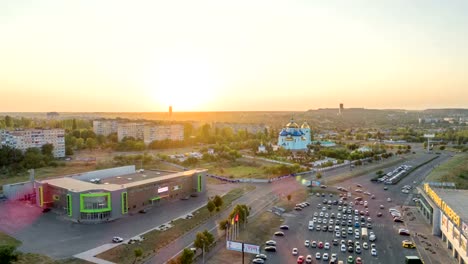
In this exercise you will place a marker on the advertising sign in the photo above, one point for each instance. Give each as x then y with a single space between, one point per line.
464 228
163 189
450 229
315 183
444 224
463 244
236 246
252 249
456 236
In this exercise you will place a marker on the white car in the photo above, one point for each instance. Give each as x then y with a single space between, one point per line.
315 214
294 251
117 239
326 215
317 255
365 245
319 220
343 248
389 199
308 259
373 252
337 234
381 206
321 214
326 246
307 243
325 256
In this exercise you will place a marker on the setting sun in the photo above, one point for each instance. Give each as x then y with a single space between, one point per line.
185 83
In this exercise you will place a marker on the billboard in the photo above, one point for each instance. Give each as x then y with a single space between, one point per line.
456 236
450 229
444 225
463 243
237 246
252 249
232 245
315 183
464 228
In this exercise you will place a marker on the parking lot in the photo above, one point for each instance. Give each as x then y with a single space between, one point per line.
388 242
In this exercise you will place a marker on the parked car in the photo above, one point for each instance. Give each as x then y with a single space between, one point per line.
117 239
294 251
279 233
270 243
284 227
270 249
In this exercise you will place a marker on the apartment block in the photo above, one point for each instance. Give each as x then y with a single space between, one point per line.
135 130
105 127
35 138
162 132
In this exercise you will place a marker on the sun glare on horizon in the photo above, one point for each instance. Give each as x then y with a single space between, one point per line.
187 84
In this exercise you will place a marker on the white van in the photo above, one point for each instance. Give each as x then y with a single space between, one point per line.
311 225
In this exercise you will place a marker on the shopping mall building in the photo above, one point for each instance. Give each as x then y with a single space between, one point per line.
447 211
105 195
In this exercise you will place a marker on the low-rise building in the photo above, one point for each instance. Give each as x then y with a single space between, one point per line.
105 195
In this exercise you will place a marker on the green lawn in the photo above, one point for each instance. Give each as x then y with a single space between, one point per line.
240 171
8 240
454 170
156 240
47 172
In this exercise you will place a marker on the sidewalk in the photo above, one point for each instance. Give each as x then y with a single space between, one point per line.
430 248
89 255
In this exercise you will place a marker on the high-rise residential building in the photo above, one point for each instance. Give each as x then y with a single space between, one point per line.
340 111
162 132
135 130
35 138
105 127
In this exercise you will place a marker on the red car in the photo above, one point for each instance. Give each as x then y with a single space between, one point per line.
358 260
320 245
300 259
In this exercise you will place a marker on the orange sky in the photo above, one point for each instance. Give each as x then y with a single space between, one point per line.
114 56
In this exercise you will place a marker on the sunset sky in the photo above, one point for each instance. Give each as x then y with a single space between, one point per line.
134 56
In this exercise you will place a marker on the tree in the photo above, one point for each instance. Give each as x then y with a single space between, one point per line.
33 158
138 252
47 150
289 197
187 256
79 143
74 124
203 240
319 175
210 206
223 224
8 121
218 201
442 147
380 172
91 143
8 254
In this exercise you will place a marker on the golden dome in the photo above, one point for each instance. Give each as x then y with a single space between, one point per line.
292 124
305 125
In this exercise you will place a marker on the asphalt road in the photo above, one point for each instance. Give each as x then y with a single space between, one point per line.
258 200
56 237
388 241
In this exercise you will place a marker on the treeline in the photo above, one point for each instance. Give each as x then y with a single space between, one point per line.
13 161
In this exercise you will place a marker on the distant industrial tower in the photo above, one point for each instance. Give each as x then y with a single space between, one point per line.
340 111
170 111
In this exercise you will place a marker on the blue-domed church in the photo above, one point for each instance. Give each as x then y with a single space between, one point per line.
293 137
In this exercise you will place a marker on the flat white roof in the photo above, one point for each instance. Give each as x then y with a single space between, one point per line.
82 186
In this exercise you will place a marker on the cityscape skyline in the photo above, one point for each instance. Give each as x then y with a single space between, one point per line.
202 56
